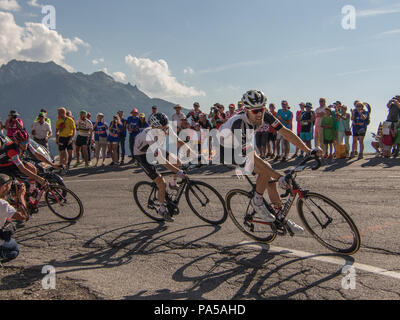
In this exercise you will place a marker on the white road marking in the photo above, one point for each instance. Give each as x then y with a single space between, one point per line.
334 260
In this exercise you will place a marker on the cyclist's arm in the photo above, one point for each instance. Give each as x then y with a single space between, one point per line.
30 174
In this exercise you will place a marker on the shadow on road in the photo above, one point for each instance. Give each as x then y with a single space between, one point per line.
247 272
119 246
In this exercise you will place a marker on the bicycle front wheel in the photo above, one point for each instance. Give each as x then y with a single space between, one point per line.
206 202
329 224
146 198
243 215
64 203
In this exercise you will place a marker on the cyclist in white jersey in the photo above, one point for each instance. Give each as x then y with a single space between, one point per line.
254 115
143 142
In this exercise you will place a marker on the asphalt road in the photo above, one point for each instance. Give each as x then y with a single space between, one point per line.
116 252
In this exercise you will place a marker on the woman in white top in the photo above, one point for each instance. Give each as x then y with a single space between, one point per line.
319 113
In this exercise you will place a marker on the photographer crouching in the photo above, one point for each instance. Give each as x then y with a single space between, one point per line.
8 246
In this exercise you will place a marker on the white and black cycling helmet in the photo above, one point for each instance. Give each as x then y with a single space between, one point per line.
254 99
158 120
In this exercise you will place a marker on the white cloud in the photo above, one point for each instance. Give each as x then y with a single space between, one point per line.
188 70
387 33
34 42
154 77
378 11
97 61
9 5
119 76
33 3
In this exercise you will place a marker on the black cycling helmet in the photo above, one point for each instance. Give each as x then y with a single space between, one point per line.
254 99
158 120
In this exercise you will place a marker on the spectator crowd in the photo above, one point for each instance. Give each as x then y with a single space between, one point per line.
337 129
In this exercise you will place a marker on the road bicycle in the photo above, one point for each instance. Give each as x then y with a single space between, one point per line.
323 218
61 201
204 200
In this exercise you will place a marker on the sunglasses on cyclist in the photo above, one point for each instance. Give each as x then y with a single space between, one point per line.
24 143
257 111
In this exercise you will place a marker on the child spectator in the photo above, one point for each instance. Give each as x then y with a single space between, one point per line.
328 125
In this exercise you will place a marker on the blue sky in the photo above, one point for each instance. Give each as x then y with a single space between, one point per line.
214 51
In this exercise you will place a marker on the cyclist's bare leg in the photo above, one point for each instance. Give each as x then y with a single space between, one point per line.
162 187
265 174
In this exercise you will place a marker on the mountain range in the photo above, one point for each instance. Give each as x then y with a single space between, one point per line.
30 86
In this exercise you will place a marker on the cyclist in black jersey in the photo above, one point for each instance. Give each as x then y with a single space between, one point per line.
254 115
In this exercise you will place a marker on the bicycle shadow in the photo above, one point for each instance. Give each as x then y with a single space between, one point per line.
26 234
110 250
255 283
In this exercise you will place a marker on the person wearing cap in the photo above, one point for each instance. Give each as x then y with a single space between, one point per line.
154 109
285 116
115 128
132 125
306 121
41 131
143 124
48 120
13 124
65 132
85 132
100 138
8 246
122 138
177 117
240 107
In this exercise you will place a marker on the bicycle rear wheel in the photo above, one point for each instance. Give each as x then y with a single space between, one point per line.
64 203
243 215
206 202
329 224
146 198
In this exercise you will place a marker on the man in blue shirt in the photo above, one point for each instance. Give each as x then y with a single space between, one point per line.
122 137
285 116
132 125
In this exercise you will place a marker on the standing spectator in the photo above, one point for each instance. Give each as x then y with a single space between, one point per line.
217 116
115 128
143 124
177 117
206 127
298 120
344 130
48 120
261 139
328 125
13 124
319 114
307 125
286 118
69 114
154 110
8 247
240 107
41 131
359 118
85 132
271 135
90 141
336 114
133 130
122 138
394 110
65 132
231 112
100 137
